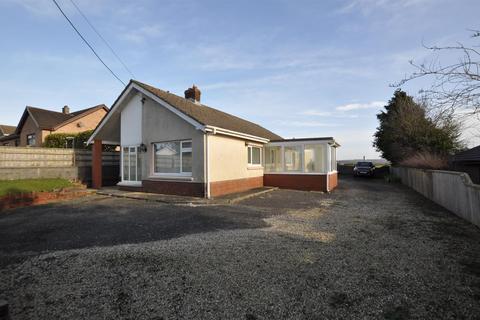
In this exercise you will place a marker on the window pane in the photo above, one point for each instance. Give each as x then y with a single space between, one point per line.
256 155
273 159
249 154
31 140
186 144
293 158
187 162
167 157
315 158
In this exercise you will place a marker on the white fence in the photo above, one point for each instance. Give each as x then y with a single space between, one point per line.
452 190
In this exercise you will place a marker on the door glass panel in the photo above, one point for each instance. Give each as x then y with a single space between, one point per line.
133 165
125 164
130 163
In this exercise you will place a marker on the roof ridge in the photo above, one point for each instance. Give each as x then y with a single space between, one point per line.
194 105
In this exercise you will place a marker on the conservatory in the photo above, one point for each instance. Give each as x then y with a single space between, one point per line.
303 164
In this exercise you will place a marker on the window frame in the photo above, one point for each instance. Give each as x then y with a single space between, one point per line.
29 138
250 156
182 150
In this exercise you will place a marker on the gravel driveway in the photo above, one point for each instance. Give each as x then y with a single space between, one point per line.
369 250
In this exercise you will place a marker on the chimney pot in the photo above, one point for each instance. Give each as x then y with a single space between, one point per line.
193 94
65 109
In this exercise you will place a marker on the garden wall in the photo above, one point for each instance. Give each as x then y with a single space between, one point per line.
35 163
454 191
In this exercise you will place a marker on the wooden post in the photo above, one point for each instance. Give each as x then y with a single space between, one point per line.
97 164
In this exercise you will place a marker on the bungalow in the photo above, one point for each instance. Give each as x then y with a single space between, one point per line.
36 124
175 145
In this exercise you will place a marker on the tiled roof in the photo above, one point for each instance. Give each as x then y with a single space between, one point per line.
210 116
47 119
5 130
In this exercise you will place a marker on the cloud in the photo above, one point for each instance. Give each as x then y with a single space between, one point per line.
317 113
361 106
142 34
367 6
305 124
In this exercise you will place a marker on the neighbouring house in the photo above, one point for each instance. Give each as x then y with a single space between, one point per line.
6 131
469 162
176 145
36 124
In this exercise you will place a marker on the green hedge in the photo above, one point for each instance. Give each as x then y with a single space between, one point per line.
59 140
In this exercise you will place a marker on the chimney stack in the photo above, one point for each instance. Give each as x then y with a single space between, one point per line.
193 94
65 110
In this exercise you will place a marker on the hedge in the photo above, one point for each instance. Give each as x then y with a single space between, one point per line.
59 140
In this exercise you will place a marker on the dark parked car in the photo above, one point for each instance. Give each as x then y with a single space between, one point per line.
364 168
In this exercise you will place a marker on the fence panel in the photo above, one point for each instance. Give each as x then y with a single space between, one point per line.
35 163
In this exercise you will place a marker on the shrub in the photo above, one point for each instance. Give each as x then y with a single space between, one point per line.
426 160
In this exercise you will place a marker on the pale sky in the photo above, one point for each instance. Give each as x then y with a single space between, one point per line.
299 68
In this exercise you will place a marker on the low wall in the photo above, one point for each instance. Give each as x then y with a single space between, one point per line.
454 191
34 163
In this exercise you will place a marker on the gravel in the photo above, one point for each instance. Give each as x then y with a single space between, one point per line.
368 250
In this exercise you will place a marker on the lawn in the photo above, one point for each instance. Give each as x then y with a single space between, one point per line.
32 185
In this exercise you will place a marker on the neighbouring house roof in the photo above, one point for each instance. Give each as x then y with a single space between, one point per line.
52 120
328 139
9 137
468 155
209 116
6 130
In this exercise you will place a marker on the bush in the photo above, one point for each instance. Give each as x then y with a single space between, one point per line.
426 160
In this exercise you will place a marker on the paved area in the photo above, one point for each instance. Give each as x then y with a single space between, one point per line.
369 250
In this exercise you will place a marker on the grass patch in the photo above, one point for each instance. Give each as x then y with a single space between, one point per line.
32 185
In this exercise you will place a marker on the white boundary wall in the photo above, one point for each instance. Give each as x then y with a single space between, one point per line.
452 190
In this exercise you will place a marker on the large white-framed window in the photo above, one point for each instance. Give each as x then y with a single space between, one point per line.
131 166
254 157
173 158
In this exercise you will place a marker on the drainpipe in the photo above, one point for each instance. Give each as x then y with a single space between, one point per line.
206 171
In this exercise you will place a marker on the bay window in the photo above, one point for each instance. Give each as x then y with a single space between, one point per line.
173 157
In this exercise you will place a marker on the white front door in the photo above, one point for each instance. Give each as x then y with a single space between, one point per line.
130 164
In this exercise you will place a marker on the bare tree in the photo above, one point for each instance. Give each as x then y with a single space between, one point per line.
456 86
